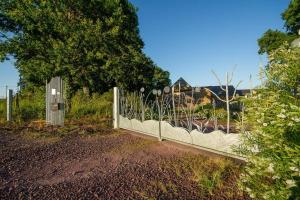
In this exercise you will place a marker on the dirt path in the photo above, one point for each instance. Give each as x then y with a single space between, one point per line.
102 166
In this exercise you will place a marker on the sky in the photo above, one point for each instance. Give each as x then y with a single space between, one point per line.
189 38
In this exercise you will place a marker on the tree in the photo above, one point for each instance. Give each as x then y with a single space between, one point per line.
227 99
91 44
292 16
272 40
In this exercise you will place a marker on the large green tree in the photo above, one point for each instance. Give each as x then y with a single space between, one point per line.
272 39
92 44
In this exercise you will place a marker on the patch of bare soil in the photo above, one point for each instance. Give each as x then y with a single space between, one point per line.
106 165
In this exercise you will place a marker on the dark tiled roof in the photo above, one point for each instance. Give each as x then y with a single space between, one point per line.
243 92
182 83
216 89
219 91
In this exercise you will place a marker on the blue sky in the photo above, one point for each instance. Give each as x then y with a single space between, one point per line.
192 37
189 38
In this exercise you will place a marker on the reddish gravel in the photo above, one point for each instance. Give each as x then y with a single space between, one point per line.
106 165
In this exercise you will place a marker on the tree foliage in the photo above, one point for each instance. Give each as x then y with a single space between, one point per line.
292 16
272 147
94 44
272 39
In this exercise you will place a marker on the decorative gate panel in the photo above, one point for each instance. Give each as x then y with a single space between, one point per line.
171 115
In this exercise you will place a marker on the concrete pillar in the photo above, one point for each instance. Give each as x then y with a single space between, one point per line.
116 108
9 98
55 111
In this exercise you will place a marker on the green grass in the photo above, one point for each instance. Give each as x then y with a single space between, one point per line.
93 107
2 110
210 174
30 106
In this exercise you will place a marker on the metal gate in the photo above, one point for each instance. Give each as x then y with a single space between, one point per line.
169 114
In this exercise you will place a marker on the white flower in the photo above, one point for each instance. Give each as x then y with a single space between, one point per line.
248 189
275 177
296 119
294 107
283 110
295 169
290 124
265 124
270 169
281 115
290 183
266 196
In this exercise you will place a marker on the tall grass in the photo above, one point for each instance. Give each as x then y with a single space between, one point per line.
2 110
31 105
26 106
94 107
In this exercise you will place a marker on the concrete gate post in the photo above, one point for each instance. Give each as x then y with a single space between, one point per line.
116 108
9 97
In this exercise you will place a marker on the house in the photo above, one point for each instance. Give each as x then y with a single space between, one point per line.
187 94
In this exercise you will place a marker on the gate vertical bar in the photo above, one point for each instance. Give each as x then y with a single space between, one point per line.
9 97
116 108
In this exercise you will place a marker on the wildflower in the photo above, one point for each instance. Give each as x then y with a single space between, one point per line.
296 119
283 110
275 177
290 183
281 115
265 124
270 169
266 196
294 107
295 169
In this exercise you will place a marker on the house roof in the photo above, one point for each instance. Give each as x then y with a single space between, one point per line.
182 83
219 91
216 89
243 92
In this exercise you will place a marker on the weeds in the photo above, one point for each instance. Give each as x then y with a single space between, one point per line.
210 175
95 107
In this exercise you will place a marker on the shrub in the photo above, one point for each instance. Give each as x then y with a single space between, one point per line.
272 147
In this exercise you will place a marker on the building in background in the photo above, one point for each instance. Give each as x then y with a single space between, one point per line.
188 95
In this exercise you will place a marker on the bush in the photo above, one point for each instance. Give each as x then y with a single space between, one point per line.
272 147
